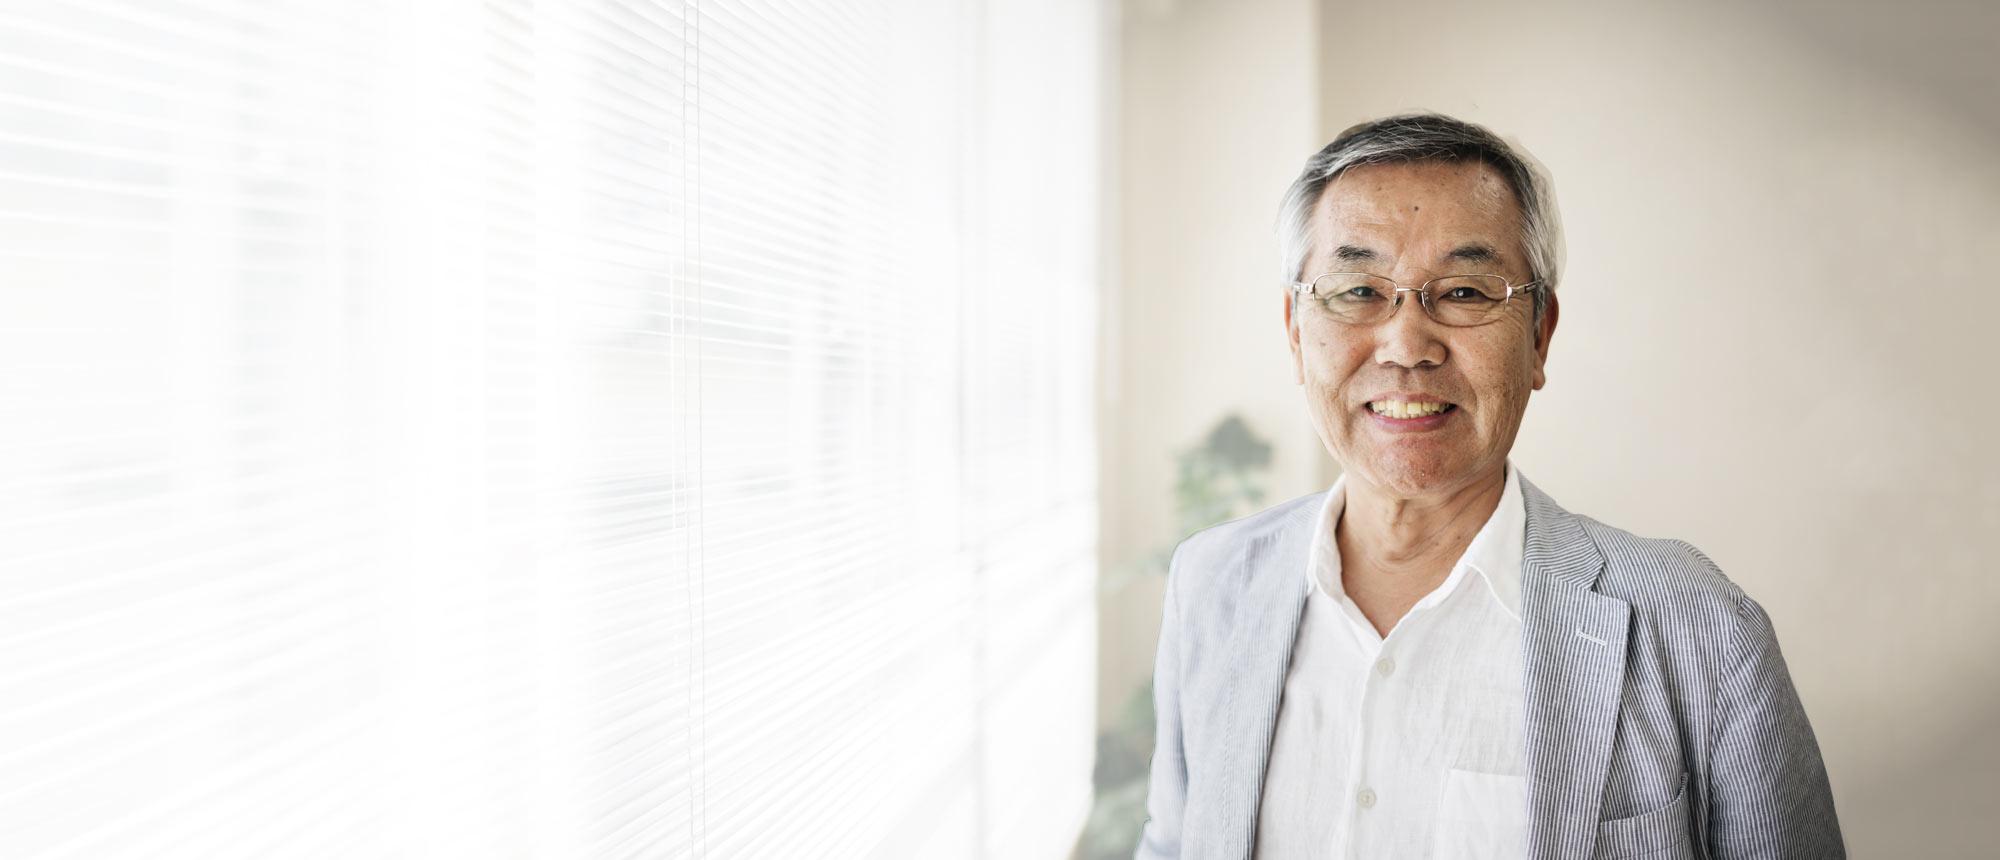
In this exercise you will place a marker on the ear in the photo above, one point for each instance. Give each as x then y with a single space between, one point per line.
1544 333
1292 337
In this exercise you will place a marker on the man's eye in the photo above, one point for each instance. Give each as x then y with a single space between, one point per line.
1359 293
1466 294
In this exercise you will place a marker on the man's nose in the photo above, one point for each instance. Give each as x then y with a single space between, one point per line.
1409 337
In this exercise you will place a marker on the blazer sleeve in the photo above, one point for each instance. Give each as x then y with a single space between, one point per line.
1166 791
1769 795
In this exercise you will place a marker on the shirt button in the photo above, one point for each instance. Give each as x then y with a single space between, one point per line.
1366 798
1386 666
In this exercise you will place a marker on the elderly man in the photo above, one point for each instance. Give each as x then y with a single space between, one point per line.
1432 658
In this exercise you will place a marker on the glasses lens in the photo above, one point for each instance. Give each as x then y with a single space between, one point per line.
1356 298
1468 299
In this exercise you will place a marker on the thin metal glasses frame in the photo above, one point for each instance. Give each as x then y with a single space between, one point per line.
1424 296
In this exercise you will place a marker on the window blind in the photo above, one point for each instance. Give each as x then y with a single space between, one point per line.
547 429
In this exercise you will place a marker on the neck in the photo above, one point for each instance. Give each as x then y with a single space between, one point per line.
1381 533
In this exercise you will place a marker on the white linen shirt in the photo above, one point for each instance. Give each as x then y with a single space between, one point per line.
1408 746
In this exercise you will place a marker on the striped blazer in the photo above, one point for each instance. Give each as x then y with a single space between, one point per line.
1661 721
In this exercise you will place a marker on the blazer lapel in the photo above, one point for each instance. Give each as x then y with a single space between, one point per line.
1263 625
1573 665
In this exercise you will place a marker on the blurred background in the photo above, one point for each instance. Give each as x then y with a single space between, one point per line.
717 428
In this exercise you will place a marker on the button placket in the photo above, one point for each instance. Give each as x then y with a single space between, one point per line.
1363 795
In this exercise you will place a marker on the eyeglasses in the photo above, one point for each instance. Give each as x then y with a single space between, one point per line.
1358 298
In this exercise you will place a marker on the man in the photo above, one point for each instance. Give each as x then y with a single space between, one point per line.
1432 658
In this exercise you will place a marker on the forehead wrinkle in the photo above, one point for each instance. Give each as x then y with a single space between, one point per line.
1351 232
1378 210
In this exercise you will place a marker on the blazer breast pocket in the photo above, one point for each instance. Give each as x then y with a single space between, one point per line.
1661 834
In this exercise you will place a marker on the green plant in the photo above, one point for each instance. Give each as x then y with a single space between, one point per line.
1221 477
1218 479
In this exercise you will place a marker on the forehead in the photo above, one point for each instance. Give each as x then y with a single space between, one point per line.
1404 207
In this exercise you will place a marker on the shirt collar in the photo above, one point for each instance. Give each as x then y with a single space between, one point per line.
1495 552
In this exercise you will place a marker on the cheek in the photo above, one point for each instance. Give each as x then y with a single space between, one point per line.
1506 371
1331 378
1329 361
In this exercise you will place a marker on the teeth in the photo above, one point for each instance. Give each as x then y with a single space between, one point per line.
1400 409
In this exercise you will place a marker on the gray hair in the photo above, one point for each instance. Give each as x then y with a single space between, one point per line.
1427 137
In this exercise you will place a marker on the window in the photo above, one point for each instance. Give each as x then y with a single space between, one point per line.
583 429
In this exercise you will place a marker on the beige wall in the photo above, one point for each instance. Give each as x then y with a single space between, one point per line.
1784 229
1216 111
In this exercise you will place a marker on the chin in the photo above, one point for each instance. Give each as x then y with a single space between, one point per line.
1410 476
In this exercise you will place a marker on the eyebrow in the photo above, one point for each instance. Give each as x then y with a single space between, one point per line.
1473 252
1354 254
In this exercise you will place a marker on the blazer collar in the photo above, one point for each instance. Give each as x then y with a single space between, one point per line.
1573 678
1573 661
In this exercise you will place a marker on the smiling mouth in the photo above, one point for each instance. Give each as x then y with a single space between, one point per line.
1401 409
